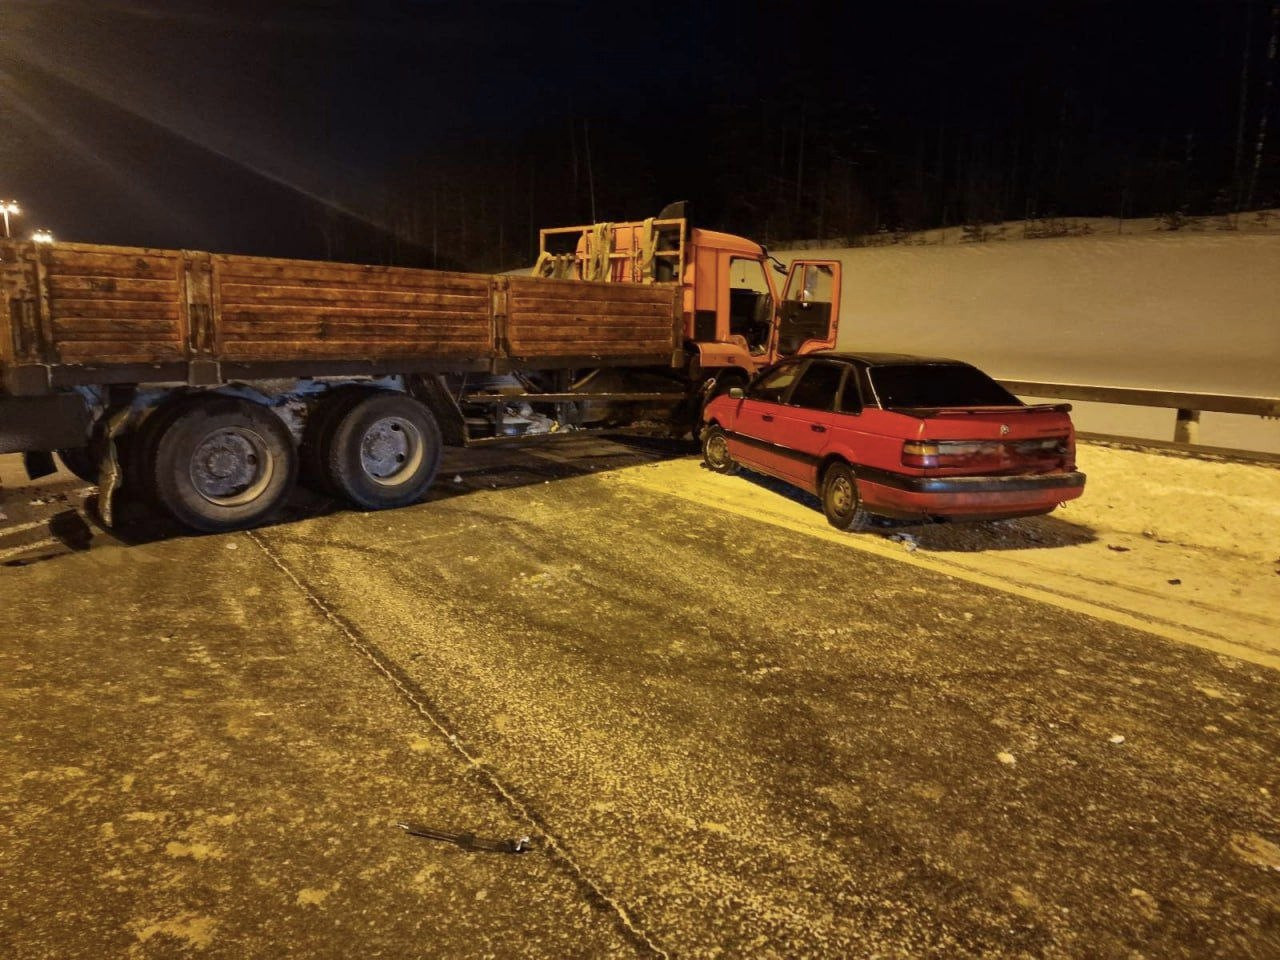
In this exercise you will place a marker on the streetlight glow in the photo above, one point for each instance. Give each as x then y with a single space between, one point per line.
42 236
7 208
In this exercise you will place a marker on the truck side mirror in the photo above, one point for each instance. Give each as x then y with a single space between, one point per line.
737 393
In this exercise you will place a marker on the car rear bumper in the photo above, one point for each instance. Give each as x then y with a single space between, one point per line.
969 497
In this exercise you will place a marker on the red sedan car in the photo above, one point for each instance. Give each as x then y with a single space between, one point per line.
896 436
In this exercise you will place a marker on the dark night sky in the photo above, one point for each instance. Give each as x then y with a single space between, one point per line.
211 125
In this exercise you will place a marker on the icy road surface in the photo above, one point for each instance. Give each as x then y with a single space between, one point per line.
731 730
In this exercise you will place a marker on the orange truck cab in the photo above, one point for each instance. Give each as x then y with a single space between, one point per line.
735 322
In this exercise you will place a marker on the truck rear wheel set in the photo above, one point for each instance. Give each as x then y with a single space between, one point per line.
217 462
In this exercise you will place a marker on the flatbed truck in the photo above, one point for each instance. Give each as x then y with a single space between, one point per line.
207 383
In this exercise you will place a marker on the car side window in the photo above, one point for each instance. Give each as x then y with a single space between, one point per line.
772 385
818 387
851 396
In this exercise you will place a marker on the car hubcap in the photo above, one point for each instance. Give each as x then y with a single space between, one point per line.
391 450
718 451
232 466
841 495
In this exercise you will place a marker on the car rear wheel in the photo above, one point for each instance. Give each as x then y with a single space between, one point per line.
715 451
840 499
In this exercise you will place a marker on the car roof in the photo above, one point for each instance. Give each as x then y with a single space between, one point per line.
868 359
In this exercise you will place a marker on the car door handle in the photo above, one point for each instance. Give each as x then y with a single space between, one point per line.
767 417
817 428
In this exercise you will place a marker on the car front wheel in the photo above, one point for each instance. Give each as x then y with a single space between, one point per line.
840 499
715 451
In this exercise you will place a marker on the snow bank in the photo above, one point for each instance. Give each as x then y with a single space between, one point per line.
1178 311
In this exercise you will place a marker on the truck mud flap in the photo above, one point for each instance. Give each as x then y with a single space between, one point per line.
43 423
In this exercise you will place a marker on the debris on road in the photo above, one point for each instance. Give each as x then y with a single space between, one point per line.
1008 759
908 540
468 841
1174 582
457 478
1117 548
1116 738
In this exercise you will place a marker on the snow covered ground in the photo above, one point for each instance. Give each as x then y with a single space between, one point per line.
1196 310
1188 549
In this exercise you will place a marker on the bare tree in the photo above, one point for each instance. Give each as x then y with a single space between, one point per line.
1266 102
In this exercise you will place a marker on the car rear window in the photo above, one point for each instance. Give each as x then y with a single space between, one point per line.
937 385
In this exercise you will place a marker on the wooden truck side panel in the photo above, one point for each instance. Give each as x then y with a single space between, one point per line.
78 313
574 318
304 310
101 304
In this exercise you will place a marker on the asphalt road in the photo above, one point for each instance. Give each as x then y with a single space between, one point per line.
726 738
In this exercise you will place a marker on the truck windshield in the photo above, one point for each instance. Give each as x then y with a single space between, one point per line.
937 385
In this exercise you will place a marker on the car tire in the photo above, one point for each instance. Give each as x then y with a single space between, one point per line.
841 501
383 451
222 463
715 451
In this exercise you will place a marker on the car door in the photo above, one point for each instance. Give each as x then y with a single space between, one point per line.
809 311
802 427
752 440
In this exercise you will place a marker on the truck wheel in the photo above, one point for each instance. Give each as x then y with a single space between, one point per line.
222 463
840 500
715 451
384 451
313 455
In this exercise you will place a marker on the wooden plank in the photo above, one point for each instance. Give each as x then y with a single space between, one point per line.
146 288
109 337
595 307
369 314
354 349
157 327
291 295
276 266
146 351
532 347
86 265
538 287
303 330
355 329
63 309
308 272
592 332
553 322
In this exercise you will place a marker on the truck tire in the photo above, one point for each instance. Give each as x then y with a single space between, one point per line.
222 463
313 455
840 500
384 451
136 448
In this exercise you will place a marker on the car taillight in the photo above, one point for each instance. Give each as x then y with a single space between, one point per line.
916 453
982 454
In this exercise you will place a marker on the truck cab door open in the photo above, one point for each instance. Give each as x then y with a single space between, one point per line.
809 313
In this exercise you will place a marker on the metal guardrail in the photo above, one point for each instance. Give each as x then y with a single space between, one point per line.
1188 405
1131 396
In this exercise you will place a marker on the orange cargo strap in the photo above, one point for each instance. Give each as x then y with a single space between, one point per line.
644 255
554 266
600 263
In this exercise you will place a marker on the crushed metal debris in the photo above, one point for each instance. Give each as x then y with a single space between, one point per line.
468 841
